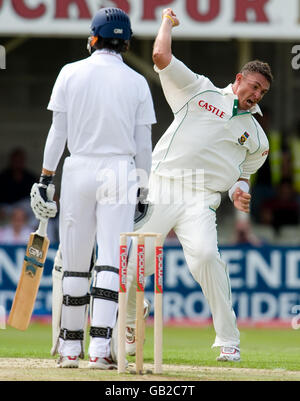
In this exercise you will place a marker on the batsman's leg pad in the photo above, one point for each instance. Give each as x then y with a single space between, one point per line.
103 293
104 299
75 306
57 299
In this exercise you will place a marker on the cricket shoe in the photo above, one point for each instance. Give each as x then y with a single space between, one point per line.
130 344
68 362
102 363
229 354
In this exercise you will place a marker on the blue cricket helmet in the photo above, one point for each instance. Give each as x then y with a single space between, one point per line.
111 23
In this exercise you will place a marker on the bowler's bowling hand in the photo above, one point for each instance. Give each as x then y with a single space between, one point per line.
241 200
169 14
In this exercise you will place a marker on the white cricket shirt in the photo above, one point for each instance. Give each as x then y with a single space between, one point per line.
208 133
104 100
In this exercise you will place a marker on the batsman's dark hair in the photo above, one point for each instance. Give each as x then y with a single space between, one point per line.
117 45
260 67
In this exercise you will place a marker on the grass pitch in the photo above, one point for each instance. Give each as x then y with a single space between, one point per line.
267 354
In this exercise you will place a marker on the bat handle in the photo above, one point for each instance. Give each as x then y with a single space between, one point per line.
42 228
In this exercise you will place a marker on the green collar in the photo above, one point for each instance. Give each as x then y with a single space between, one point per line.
235 107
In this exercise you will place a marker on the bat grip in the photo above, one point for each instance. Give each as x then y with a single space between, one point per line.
42 228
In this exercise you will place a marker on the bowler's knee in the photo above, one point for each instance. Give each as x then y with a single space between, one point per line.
205 255
201 260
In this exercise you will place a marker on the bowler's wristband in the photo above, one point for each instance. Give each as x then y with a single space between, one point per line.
170 18
239 184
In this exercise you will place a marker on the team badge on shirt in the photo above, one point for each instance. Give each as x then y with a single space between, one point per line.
243 138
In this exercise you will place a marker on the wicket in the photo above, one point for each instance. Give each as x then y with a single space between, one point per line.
158 291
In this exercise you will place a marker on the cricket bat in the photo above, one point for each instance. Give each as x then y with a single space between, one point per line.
30 278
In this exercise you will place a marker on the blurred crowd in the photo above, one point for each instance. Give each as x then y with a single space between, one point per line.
16 218
275 190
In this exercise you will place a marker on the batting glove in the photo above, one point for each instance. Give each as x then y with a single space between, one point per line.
41 196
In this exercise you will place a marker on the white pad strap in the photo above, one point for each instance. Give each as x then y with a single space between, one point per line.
243 185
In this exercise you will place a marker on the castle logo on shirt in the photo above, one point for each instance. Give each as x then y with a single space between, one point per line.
243 138
213 109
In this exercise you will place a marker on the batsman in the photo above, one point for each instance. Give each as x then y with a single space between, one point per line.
213 145
103 110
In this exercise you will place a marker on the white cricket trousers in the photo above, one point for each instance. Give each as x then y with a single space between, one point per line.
97 203
192 216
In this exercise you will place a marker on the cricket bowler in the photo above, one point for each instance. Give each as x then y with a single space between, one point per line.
213 145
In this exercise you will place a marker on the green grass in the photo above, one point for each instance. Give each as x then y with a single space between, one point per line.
262 348
35 342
